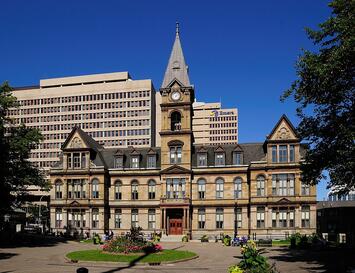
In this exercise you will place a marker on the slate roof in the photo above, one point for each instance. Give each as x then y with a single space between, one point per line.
251 152
177 68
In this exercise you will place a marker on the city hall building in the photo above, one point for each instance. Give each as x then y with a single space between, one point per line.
182 187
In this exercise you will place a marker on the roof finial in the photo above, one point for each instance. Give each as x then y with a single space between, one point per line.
177 27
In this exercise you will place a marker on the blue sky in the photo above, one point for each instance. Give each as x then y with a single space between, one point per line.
240 52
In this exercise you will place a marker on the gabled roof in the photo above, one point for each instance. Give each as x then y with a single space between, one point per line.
177 68
289 123
88 140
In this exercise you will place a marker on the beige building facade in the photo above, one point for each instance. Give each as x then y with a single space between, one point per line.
181 187
112 108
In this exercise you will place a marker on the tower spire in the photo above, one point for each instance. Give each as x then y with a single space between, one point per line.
177 68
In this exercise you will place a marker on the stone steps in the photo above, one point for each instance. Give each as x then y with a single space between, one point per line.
171 238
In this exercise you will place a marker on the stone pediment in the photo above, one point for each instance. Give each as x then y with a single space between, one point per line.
78 139
283 201
75 204
202 149
283 130
219 149
238 149
175 170
151 152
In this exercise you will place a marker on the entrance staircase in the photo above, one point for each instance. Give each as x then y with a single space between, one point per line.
171 238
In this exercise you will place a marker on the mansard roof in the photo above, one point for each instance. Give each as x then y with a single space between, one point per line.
177 68
251 152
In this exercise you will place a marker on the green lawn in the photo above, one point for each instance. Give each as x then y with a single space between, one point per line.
280 242
98 255
87 241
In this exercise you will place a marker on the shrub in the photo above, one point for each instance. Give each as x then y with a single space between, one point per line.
253 261
235 269
227 240
185 239
204 239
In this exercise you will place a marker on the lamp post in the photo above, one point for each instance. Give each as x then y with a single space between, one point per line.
39 213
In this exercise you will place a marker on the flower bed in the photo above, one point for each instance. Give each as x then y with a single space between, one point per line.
126 245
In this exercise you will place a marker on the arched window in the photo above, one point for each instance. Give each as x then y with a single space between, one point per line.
95 188
201 188
58 189
134 190
118 190
260 185
151 189
238 187
219 188
175 121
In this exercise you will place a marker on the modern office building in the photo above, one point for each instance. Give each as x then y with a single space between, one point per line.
112 108
182 187
213 125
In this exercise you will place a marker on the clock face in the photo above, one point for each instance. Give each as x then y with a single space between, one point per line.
175 95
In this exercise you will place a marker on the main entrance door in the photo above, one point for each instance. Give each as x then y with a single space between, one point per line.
175 226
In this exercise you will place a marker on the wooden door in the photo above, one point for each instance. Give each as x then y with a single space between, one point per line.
175 226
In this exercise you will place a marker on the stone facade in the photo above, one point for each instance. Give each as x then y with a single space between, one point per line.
181 187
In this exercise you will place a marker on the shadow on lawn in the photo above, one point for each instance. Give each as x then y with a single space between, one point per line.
318 260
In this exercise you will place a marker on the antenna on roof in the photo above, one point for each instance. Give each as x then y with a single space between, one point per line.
177 27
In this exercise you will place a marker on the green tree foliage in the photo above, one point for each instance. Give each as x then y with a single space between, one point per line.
324 91
16 172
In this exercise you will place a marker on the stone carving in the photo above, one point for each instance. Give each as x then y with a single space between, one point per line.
76 143
283 133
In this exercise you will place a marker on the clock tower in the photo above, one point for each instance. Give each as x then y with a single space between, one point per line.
176 143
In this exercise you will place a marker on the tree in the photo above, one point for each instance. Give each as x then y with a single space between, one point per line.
16 171
324 91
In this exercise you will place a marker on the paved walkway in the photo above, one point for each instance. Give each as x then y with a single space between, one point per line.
213 258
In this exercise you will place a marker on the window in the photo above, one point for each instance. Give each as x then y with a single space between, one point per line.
76 218
76 160
175 188
134 190
292 153
135 162
305 216
282 218
175 155
260 185
219 218
202 159
201 188
175 121
260 217
58 190
83 160
151 219
134 217
58 218
76 188
238 187
305 189
201 218
274 153
220 159
237 158
283 157
118 190
283 184
219 188
151 161
291 217
238 217
151 189
95 188
118 218
69 161
95 218
118 162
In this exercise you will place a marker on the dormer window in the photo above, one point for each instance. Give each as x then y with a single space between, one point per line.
135 162
237 158
175 121
151 161
76 160
283 153
220 159
118 162
202 159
